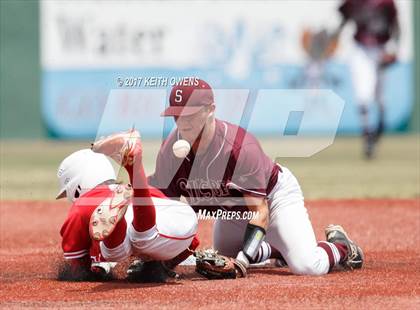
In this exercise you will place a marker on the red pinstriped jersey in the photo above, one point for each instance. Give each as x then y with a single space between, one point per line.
76 241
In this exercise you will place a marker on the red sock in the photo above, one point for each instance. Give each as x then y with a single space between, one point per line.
118 235
143 208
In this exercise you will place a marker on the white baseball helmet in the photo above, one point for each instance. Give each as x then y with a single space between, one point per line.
81 171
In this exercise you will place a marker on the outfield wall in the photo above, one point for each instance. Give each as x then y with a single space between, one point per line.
83 89
255 46
415 118
20 72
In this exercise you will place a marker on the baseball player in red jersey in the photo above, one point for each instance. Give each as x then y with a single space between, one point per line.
96 232
377 37
227 168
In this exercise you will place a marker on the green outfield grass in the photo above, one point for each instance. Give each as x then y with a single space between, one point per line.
28 168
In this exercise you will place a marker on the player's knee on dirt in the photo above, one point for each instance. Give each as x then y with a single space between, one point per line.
314 263
118 253
305 268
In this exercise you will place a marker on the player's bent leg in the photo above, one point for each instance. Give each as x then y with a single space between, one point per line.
117 246
292 233
106 217
175 229
379 96
118 253
364 64
152 245
363 71
290 230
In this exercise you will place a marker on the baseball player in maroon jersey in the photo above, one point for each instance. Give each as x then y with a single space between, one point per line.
227 168
108 222
377 37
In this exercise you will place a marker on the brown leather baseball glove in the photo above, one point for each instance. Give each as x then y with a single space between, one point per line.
212 265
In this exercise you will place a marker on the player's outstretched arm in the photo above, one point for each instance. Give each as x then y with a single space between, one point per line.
255 231
260 206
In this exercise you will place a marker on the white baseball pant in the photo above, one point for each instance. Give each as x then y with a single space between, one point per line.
290 230
366 75
176 226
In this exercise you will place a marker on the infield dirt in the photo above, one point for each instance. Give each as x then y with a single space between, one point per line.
387 230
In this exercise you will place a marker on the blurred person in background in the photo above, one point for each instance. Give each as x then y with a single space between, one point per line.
377 37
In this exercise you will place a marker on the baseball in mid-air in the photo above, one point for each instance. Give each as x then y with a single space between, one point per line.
181 148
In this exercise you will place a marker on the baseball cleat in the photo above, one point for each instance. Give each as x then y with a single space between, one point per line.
122 147
355 257
107 215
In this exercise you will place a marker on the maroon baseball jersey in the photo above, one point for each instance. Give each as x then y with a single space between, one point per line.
234 165
375 19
